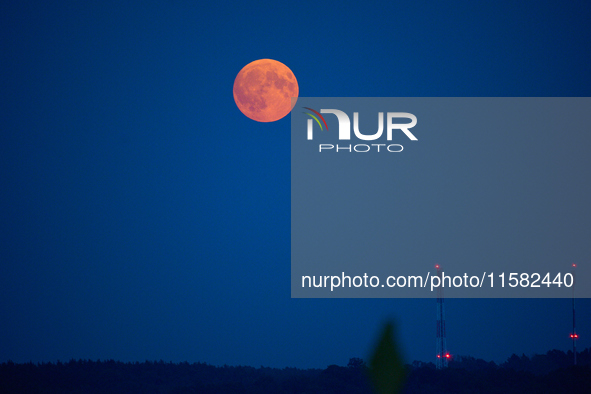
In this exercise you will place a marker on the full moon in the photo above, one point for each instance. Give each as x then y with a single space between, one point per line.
263 90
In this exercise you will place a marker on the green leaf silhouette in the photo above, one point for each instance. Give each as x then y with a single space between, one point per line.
386 369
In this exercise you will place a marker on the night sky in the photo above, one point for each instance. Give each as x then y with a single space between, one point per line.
144 217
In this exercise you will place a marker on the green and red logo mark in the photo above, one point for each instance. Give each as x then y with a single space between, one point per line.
315 118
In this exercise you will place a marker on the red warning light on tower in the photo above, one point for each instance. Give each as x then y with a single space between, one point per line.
574 336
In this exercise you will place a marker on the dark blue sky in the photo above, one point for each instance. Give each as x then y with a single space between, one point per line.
144 217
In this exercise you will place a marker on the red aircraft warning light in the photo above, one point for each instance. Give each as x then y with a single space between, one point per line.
574 336
437 266
447 355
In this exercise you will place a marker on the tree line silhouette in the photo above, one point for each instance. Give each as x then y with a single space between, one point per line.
552 372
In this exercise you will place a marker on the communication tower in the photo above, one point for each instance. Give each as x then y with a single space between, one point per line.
441 347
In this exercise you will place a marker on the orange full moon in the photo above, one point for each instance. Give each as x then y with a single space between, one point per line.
263 90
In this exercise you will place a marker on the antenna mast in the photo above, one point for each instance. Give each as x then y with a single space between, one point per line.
441 346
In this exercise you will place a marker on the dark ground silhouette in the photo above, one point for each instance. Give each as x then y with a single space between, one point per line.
552 372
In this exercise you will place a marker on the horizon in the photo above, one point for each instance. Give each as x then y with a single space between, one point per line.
567 353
